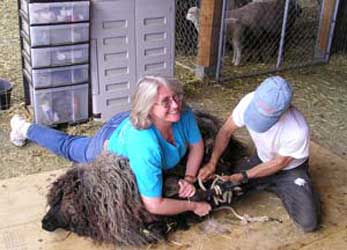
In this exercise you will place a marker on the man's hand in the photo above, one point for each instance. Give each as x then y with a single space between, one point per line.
186 189
207 171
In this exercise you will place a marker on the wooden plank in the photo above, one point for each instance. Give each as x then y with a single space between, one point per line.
23 204
327 14
210 14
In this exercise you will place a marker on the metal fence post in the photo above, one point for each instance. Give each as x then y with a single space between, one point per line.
283 35
222 38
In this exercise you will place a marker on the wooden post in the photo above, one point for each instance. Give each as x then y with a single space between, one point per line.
210 17
328 8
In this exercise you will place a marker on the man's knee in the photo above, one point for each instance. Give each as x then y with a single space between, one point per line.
309 223
308 216
302 204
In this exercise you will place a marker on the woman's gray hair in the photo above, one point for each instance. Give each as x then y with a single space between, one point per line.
145 97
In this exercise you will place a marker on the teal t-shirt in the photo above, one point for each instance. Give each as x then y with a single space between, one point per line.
149 153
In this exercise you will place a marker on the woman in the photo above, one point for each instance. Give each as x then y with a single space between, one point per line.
155 137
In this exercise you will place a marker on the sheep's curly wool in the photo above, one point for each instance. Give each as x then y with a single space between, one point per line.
101 200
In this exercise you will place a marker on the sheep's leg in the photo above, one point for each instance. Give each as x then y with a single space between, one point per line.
236 43
234 55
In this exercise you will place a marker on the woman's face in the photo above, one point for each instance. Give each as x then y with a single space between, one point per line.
167 107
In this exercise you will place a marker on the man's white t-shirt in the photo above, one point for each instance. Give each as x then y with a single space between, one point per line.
290 136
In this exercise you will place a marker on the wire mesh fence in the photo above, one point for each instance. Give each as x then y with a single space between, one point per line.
186 35
269 35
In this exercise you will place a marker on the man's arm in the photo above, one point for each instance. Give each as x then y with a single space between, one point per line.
263 169
221 142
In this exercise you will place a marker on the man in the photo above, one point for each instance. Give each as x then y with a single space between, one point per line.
281 137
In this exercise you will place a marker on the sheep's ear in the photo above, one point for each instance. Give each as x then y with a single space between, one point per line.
56 191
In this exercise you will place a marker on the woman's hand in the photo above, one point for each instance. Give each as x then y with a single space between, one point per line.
202 208
186 189
207 171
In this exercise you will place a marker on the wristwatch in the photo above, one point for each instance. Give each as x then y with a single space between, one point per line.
244 177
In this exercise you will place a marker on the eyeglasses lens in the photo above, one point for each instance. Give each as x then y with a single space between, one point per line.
166 102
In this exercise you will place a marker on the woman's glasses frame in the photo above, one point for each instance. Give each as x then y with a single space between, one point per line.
167 101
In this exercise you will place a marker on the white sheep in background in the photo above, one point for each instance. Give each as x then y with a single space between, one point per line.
193 15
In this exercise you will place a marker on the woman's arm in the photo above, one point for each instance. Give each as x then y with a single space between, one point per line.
195 155
165 206
186 188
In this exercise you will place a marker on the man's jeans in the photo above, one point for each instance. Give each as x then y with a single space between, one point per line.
293 187
78 149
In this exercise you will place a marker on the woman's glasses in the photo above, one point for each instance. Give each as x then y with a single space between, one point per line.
167 101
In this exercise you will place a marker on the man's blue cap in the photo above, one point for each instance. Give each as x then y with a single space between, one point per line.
271 100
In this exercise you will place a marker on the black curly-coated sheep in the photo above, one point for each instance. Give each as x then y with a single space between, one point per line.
100 199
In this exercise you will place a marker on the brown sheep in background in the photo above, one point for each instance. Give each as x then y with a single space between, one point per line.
258 17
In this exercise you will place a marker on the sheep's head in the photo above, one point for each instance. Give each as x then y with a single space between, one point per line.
53 219
193 15
65 211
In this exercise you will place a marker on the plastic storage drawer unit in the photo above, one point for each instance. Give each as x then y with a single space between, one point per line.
56 56
60 105
55 34
57 77
55 12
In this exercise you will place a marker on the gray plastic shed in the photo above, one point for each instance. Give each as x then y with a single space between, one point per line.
129 39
